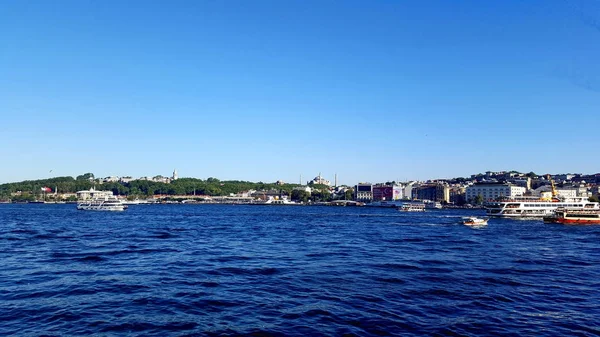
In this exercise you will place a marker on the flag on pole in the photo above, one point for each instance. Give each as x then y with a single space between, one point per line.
46 189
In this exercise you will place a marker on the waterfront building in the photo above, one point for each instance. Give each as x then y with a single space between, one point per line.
265 195
92 193
433 192
491 191
560 192
363 192
407 192
387 192
457 195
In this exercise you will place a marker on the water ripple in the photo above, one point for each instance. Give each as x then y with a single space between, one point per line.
214 270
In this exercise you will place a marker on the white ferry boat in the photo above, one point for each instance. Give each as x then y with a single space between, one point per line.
385 204
412 207
433 205
103 203
536 207
276 201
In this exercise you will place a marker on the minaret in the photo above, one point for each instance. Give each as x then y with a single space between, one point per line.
175 176
335 180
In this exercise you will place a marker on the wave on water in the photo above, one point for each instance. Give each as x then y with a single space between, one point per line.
188 270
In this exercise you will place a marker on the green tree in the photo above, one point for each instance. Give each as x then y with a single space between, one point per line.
349 194
478 199
300 195
320 195
85 176
531 175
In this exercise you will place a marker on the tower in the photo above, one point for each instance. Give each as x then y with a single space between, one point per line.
175 176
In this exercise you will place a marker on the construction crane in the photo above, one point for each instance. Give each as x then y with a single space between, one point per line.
554 193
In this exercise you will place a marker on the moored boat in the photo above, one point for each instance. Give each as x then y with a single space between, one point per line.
575 217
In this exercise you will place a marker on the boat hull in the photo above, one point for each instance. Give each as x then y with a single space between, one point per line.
101 208
578 221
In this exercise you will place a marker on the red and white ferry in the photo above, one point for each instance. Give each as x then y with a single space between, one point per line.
575 216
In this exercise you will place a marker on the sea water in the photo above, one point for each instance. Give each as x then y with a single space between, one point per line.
186 270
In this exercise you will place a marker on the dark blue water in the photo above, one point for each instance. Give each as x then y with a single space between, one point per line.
259 270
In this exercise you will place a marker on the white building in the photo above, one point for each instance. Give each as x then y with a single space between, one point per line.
92 193
363 192
126 179
408 190
491 191
561 193
565 192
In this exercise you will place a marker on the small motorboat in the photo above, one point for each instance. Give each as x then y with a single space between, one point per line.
475 221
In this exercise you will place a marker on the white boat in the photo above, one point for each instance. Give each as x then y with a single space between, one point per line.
134 202
475 221
433 205
383 203
412 207
103 203
276 201
536 207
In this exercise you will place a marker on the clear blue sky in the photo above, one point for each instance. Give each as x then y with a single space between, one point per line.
268 90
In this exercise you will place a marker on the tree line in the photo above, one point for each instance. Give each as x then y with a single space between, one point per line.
32 189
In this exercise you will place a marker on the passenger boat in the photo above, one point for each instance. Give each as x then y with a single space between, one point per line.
574 217
433 205
276 201
384 204
412 207
536 207
474 221
104 203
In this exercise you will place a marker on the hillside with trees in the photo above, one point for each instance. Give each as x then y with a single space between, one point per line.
32 189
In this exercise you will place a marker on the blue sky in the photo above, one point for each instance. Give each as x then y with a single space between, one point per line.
267 90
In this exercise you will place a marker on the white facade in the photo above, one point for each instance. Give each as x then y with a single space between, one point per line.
561 192
92 193
408 191
493 191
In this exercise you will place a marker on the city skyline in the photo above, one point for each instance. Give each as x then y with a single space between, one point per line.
268 91
303 180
